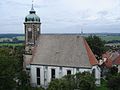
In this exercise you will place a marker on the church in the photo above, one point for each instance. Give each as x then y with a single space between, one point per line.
50 56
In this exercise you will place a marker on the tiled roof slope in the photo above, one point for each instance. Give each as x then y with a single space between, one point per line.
117 61
108 61
92 59
63 50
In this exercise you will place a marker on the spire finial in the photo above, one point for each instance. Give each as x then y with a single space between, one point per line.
32 4
32 9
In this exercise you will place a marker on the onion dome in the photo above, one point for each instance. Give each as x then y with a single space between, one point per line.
32 17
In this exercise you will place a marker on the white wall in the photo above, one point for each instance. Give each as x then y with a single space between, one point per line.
97 74
58 73
119 68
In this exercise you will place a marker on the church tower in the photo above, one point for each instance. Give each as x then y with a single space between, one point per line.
32 30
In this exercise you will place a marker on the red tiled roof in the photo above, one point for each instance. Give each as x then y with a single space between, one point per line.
92 59
108 62
106 55
117 61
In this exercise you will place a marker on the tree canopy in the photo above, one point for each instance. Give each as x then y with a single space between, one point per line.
97 45
79 81
12 75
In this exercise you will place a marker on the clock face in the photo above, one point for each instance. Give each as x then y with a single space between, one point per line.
29 29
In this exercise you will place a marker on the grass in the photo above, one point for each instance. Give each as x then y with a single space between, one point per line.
103 85
110 38
8 44
102 88
20 37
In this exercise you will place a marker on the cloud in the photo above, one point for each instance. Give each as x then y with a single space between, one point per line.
102 13
61 14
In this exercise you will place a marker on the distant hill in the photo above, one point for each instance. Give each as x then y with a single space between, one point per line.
10 35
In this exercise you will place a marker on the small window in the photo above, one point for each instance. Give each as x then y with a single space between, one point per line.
68 72
52 73
93 72
38 76
77 70
38 81
29 33
38 72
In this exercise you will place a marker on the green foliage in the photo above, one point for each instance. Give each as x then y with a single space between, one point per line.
114 70
113 79
97 45
113 82
12 75
80 81
86 81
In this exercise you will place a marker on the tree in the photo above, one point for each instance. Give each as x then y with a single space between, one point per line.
79 81
114 70
12 75
85 81
97 45
113 82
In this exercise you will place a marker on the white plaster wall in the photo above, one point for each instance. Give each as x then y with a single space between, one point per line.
58 73
84 70
119 68
34 76
97 74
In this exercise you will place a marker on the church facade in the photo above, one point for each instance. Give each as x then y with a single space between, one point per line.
50 56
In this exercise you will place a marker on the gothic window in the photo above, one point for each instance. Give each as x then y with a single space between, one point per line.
77 70
68 72
38 75
52 73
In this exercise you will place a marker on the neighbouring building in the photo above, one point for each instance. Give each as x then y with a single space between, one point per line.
116 63
109 59
50 56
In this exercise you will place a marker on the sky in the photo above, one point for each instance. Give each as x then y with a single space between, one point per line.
62 16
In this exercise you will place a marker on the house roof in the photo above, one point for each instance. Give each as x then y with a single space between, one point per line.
63 50
117 61
108 61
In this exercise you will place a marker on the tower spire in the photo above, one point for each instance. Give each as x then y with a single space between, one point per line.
32 8
32 5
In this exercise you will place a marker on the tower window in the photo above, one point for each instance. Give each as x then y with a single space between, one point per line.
38 75
52 73
29 33
68 72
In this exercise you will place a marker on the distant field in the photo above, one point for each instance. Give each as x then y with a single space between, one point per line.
110 38
8 44
20 37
